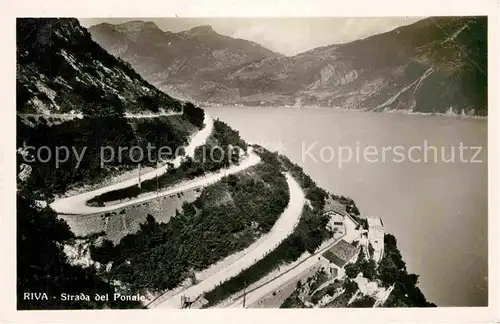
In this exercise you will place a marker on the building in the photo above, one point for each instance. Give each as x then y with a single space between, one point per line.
339 255
343 224
333 205
376 237
336 224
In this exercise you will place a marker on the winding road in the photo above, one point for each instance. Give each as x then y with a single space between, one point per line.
70 116
77 204
283 227
296 268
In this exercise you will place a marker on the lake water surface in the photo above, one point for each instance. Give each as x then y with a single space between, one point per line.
438 211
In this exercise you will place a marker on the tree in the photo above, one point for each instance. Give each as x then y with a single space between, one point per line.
350 287
368 268
42 265
411 279
317 196
365 301
371 250
194 114
104 253
352 270
354 209
361 255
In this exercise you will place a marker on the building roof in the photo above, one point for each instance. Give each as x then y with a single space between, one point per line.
333 205
341 253
335 216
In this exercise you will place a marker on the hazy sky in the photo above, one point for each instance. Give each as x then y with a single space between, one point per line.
288 36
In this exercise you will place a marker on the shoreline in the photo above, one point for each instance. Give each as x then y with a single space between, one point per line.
364 110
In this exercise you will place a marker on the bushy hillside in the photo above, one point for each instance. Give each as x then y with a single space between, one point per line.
42 267
227 217
60 69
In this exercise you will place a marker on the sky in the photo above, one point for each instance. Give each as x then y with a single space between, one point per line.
287 36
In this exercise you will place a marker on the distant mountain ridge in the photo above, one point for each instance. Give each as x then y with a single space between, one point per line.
185 64
436 65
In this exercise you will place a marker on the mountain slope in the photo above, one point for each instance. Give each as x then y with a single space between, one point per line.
433 65
185 63
60 69
62 72
437 64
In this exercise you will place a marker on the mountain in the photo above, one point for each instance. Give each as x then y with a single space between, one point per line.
436 65
60 69
63 74
187 64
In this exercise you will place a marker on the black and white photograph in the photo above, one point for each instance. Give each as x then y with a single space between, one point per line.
287 162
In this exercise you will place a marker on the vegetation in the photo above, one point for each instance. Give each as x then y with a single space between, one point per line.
330 290
194 114
61 69
392 271
293 301
367 267
156 102
315 194
43 267
104 253
350 288
221 151
61 55
371 250
317 280
94 140
170 132
213 156
310 232
48 178
227 217
363 302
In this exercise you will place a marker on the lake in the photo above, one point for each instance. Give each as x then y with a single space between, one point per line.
435 203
